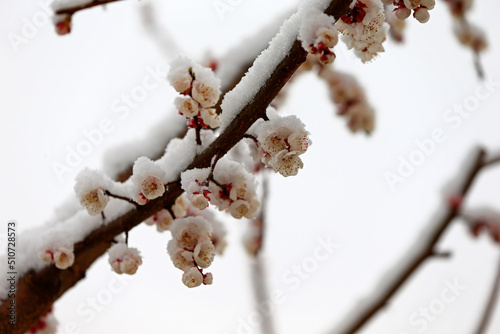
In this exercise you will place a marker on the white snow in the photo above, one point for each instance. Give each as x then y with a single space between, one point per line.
49 236
264 65
312 20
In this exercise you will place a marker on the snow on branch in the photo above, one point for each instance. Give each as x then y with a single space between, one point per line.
64 12
38 290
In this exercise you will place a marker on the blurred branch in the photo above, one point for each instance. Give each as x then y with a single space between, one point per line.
73 10
258 266
362 317
467 34
37 291
490 306
159 34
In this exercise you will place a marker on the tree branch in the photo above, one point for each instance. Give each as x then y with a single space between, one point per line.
73 10
490 306
258 265
396 282
37 291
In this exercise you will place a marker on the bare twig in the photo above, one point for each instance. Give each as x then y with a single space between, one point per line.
73 10
123 198
262 295
490 306
258 272
396 282
160 34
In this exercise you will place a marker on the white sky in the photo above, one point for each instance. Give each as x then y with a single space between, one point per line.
55 88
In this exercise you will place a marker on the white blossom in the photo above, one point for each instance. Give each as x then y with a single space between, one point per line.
365 36
210 117
187 106
94 201
162 219
180 207
205 94
287 163
182 259
192 278
282 140
152 187
64 257
204 253
123 259
182 82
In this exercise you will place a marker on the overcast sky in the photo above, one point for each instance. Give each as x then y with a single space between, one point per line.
54 90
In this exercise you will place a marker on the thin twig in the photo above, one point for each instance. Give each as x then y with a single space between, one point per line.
73 10
261 293
490 306
478 65
259 277
364 315
198 136
107 192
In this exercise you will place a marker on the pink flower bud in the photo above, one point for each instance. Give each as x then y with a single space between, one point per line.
208 279
63 26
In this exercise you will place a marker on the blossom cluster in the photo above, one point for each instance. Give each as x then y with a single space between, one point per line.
200 91
470 35
163 219
124 259
318 35
280 142
62 256
364 29
230 188
148 178
404 8
350 100
191 249
195 184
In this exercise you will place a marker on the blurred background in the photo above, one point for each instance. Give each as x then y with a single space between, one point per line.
54 89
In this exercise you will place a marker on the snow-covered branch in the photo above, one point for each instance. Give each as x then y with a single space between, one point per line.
38 290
